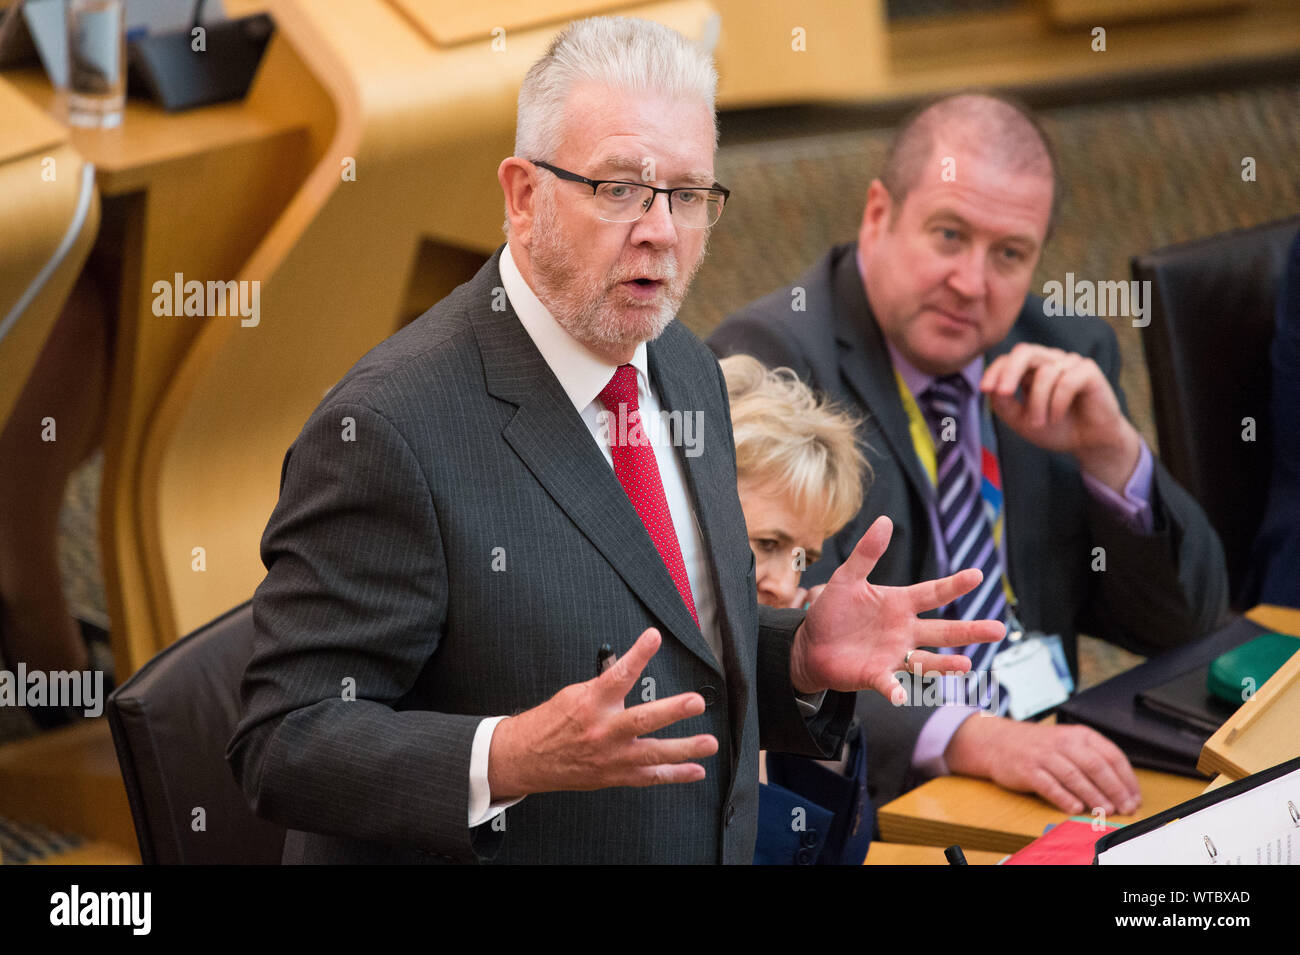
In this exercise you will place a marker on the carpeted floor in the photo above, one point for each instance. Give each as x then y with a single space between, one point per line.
1138 174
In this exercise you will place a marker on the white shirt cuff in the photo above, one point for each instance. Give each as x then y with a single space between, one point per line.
481 810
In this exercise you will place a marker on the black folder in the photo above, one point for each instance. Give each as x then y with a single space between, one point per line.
1148 738
1187 699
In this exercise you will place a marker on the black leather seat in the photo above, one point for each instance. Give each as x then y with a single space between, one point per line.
1207 350
171 722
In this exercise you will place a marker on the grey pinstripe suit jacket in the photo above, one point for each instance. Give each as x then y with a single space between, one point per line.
465 556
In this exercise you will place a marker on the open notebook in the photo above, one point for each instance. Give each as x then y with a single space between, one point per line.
1254 821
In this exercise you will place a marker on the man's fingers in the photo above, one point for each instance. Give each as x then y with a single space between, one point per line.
929 594
1008 409
1018 361
887 685
1039 395
653 752
661 774
1123 770
621 677
928 662
1073 778
1073 381
870 546
957 633
992 372
1114 793
1046 785
648 717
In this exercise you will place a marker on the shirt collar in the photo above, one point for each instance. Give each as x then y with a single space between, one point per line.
916 379
582 373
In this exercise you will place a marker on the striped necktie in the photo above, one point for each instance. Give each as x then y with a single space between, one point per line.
967 536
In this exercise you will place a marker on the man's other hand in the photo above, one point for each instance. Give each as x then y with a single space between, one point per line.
584 738
1073 767
1068 405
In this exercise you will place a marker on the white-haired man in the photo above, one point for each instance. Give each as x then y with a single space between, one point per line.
431 630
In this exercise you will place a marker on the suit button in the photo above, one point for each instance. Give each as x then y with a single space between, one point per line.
803 857
808 839
731 814
710 694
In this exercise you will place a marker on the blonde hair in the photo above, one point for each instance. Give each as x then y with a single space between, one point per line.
800 445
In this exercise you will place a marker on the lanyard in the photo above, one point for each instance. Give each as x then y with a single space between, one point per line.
991 474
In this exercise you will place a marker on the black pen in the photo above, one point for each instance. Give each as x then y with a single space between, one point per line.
605 658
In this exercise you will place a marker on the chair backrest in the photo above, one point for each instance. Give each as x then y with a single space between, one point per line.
1207 352
171 722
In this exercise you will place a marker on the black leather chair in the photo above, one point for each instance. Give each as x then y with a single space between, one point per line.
171 722
1207 349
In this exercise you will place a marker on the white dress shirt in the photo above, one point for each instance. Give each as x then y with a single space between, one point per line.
583 375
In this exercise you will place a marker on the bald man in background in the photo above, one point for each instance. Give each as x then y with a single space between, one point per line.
986 415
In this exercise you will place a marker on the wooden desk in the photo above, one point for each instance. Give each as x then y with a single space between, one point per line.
68 780
977 814
1281 619
897 853
38 214
193 193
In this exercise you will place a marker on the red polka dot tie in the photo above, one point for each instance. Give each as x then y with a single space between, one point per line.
638 472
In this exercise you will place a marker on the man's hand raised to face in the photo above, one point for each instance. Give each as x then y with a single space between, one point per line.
857 635
1068 406
584 738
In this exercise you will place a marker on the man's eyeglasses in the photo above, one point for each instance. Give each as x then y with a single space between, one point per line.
620 201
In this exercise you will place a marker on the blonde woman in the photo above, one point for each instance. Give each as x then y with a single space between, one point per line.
798 469
801 477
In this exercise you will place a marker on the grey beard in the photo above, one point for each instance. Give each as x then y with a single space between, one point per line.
581 310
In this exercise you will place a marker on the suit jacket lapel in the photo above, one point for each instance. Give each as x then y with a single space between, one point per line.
708 476
865 365
554 443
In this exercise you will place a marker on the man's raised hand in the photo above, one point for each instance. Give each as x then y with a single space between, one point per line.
584 738
857 634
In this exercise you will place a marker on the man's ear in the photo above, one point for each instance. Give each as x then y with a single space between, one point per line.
520 190
878 214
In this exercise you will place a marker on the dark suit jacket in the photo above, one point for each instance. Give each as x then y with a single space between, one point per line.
1156 591
465 556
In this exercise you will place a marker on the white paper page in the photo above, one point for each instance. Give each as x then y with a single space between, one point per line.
1259 827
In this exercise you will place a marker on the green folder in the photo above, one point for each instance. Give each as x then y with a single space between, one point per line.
1255 661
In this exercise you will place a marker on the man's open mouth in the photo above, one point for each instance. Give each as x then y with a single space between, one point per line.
643 287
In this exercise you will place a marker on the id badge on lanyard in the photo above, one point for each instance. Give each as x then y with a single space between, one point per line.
1033 669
